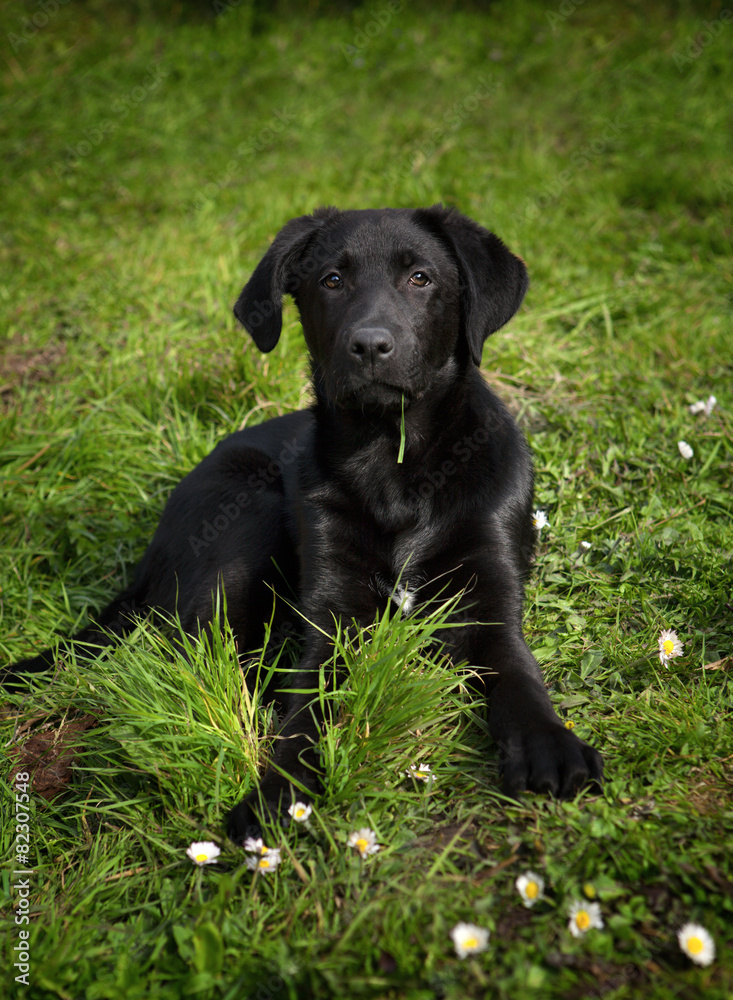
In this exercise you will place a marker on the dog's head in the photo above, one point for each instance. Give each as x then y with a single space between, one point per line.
392 301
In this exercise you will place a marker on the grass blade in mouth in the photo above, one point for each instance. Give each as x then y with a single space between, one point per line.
401 453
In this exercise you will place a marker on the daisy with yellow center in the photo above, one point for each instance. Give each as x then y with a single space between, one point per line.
255 845
365 841
530 887
696 943
468 939
203 852
539 520
266 861
669 646
583 916
421 772
300 812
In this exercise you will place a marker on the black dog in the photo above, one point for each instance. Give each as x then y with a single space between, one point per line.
395 306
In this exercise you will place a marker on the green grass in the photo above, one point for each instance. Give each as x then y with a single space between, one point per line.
598 145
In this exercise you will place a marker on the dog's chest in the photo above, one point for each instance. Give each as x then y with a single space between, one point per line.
404 567
394 531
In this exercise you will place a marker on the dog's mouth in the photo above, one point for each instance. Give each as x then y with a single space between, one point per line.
375 394
348 390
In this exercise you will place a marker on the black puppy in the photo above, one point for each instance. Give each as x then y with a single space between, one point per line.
395 306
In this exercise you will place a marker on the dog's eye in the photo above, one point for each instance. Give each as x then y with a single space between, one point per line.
332 280
420 279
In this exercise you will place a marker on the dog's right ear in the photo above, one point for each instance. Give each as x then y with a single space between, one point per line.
259 307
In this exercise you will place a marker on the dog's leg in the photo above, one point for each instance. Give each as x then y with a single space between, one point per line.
293 774
111 624
537 752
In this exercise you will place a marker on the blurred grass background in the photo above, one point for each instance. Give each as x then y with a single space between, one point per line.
150 153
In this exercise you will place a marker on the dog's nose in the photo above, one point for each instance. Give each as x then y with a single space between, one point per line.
371 343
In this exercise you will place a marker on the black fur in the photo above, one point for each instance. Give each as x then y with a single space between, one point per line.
320 495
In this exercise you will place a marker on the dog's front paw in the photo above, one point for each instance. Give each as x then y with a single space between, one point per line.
548 758
263 807
266 806
243 823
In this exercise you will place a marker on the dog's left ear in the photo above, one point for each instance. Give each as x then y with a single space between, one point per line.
259 307
493 280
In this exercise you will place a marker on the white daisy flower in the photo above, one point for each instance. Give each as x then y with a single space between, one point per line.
365 841
583 916
530 887
539 519
203 852
421 772
669 646
468 939
710 403
266 861
696 943
697 407
685 450
300 812
255 846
